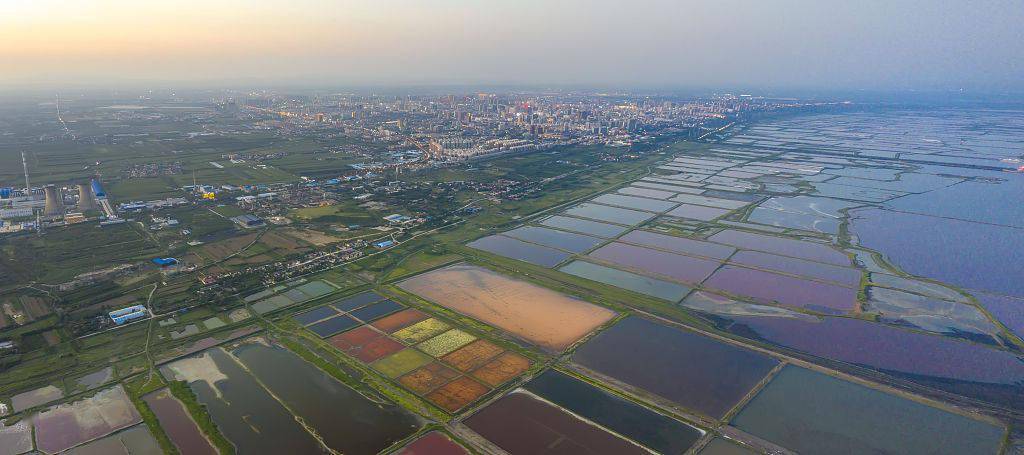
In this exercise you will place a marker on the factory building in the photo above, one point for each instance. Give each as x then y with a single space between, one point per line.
98 190
128 314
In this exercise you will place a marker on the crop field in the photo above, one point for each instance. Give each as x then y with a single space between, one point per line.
221 249
311 236
542 317
347 213
59 255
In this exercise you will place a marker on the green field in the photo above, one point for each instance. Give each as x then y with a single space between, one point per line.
63 253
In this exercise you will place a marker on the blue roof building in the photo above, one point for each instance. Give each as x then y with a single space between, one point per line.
97 189
164 262
128 314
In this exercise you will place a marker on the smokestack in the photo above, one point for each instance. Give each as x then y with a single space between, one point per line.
86 201
54 202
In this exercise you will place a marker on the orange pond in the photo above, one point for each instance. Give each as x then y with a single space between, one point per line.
545 318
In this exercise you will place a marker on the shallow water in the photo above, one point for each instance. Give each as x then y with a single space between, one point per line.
694 371
802 212
634 202
672 292
347 420
568 241
782 246
973 255
767 287
678 244
519 423
519 250
584 226
243 411
813 413
653 430
684 268
944 363
609 214
846 276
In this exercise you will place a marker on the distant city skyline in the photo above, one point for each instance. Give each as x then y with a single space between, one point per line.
836 45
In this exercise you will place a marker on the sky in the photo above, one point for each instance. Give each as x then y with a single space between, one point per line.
974 45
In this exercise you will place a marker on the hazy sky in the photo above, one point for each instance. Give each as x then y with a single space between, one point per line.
908 44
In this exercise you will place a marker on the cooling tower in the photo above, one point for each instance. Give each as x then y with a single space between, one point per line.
54 202
86 201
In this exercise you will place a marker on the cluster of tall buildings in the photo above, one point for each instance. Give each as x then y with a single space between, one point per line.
460 126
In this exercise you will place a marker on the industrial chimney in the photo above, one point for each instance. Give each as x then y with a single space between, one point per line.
86 201
54 202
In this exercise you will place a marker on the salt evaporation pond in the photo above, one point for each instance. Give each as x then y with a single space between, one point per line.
651 429
666 290
137 440
610 214
808 213
346 420
813 413
684 268
519 423
846 276
982 201
973 255
691 370
568 241
936 361
781 246
585 226
178 424
70 424
15 438
519 250
678 244
721 446
537 315
243 411
1008 310
767 287
646 192
633 202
